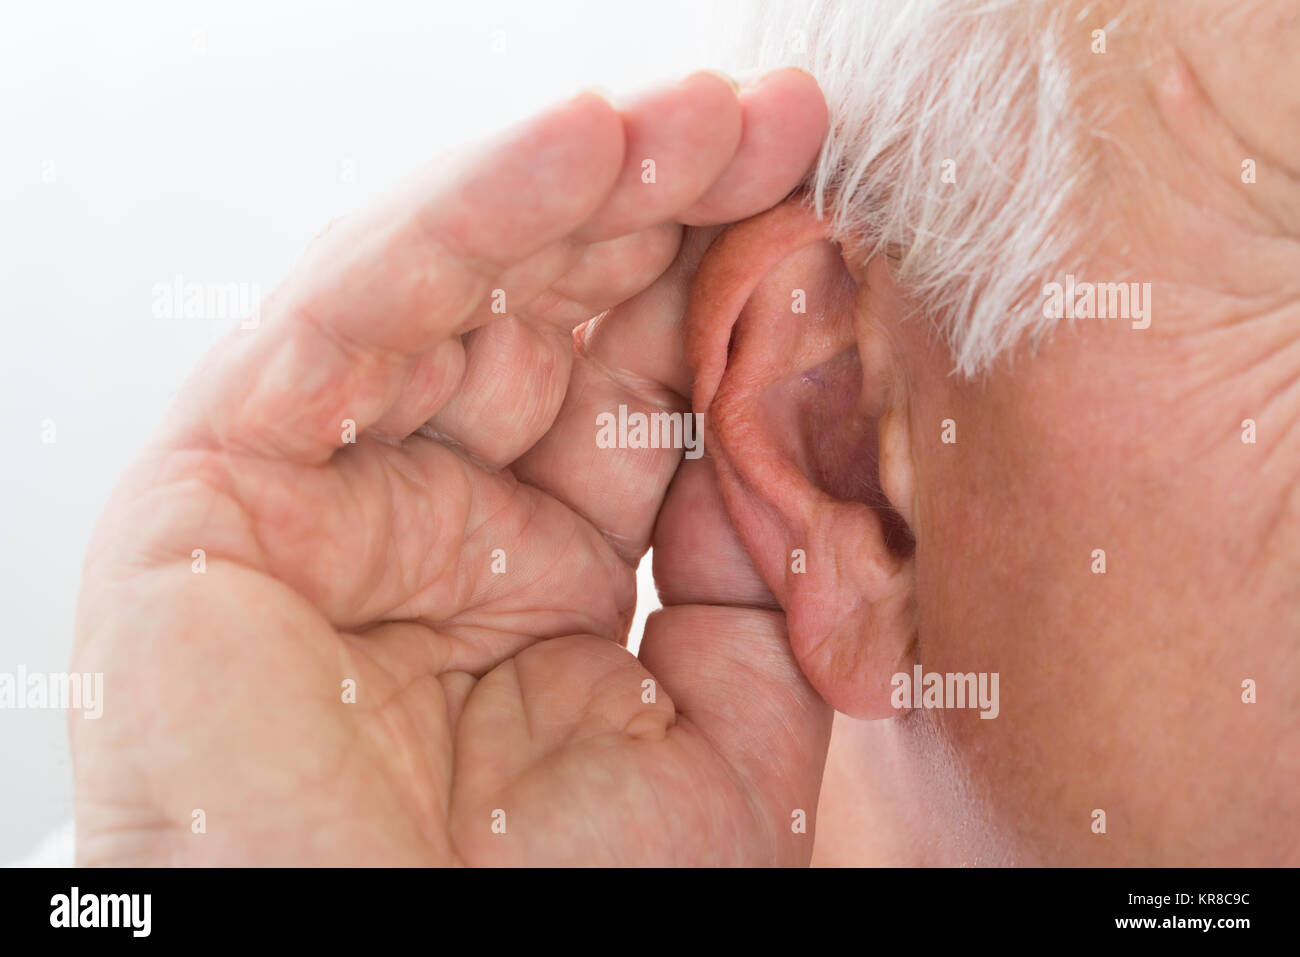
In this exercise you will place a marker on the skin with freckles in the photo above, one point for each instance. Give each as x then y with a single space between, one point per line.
1120 692
408 648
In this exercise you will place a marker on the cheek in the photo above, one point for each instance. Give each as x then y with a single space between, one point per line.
1053 543
1002 589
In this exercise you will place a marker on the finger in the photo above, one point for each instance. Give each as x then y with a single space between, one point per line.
516 376
677 146
732 677
517 369
428 383
784 124
698 557
485 560
567 736
608 273
632 358
385 532
642 338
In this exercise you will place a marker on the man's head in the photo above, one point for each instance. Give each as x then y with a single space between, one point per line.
1016 391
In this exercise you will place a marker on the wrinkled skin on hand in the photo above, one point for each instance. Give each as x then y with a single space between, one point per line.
472 582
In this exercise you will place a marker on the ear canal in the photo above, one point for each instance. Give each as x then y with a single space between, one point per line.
773 336
833 434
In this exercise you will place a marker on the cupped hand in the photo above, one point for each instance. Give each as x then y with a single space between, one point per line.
364 599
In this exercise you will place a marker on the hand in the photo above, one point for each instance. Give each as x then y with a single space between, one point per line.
407 648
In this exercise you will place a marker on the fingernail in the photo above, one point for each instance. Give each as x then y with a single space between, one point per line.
599 91
798 69
724 76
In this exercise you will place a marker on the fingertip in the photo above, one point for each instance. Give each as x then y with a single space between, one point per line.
679 139
598 125
719 96
785 122
797 92
730 81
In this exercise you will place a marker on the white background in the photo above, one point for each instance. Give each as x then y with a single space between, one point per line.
210 140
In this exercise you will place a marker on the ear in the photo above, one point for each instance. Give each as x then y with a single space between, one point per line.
805 416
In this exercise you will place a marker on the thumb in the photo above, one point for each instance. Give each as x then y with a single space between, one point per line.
719 647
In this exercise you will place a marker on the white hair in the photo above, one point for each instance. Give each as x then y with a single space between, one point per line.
984 91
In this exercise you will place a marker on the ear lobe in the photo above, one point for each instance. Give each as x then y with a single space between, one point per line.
777 341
